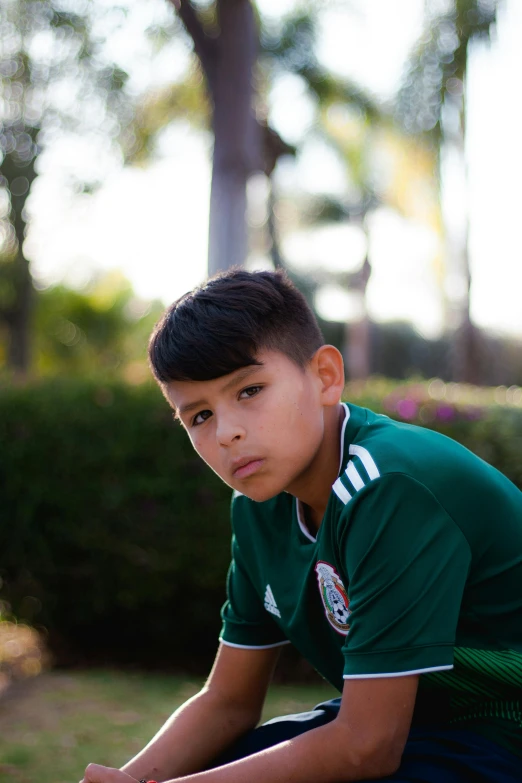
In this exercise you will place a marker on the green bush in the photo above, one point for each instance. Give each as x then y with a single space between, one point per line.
114 535
487 420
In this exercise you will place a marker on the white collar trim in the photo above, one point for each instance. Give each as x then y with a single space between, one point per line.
300 519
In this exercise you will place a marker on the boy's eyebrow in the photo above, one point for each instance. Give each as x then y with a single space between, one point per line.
239 376
242 375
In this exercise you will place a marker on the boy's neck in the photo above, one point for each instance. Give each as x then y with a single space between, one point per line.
315 485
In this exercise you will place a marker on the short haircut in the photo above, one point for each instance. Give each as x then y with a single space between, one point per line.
221 326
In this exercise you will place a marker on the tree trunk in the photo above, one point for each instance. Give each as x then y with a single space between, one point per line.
275 250
466 346
237 135
357 347
227 234
18 311
18 319
242 143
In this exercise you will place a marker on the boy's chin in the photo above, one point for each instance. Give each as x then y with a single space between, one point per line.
258 494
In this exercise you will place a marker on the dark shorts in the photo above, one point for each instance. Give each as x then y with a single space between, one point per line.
430 755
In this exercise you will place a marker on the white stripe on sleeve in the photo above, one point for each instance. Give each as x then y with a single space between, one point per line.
341 491
366 459
354 476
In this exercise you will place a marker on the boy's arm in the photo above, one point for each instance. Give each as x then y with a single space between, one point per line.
227 706
366 740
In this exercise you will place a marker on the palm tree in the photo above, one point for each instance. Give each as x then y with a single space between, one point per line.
225 35
432 103
236 52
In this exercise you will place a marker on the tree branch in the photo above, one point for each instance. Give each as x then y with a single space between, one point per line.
205 47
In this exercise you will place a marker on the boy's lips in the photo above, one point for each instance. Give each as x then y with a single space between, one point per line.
243 468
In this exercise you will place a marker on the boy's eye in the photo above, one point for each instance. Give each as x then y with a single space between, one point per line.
201 417
250 391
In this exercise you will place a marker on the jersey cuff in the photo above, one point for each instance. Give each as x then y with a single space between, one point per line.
249 635
253 646
395 674
389 663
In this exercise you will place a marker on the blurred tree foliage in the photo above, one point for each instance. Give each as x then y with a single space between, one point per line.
382 166
58 77
100 331
43 85
55 79
437 69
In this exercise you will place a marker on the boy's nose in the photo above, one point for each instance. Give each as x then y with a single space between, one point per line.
228 432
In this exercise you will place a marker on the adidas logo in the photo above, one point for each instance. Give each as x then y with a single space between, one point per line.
270 604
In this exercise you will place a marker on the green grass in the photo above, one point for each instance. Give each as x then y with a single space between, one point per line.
53 726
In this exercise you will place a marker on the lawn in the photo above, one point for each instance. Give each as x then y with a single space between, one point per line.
52 726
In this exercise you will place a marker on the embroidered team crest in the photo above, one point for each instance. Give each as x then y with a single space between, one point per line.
334 596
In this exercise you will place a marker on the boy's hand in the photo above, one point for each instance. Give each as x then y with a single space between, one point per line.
95 773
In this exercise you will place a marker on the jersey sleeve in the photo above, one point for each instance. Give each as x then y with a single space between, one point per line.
246 622
407 564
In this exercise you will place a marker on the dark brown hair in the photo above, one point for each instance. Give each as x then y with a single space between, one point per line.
221 325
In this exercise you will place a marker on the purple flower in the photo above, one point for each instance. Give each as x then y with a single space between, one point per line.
445 413
407 409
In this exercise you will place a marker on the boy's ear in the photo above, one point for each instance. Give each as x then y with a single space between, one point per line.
327 364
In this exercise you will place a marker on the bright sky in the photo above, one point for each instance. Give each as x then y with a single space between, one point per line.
152 223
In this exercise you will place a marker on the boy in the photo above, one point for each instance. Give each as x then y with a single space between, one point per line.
389 555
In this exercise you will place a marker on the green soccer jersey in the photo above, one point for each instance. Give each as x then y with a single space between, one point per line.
416 568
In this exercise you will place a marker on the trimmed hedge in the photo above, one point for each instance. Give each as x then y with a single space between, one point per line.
114 535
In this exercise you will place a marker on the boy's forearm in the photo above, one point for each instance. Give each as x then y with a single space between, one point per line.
192 737
322 755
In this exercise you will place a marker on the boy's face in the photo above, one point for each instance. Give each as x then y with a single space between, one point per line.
259 428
